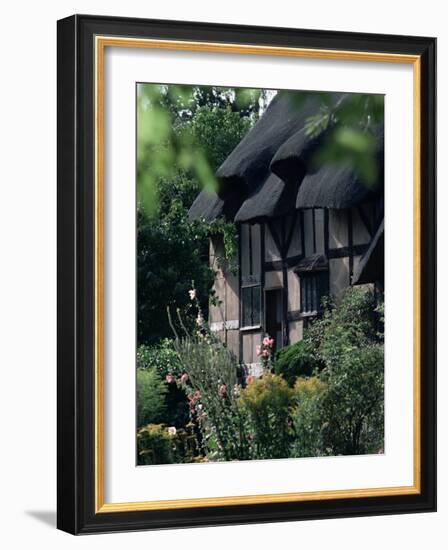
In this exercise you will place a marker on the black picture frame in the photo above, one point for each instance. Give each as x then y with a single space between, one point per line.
76 253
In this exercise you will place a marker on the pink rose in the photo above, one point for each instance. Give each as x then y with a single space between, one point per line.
169 378
222 390
184 378
265 353
258 350
249 379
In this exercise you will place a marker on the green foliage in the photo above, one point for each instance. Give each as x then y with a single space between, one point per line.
170 254
349 140
348 322
187 129
265 404
154 445
354 401
162 357
348 341
151 392
218 131
308 417
184 133
212 380
297 360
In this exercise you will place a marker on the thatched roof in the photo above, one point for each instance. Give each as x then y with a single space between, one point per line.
271 199
270 173
248 164
207 205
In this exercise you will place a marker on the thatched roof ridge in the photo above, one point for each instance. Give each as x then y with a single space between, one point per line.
339 186
271 199
207 205
249 162
271 171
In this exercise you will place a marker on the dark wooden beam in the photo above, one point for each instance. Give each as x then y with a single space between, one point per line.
350 245
344 251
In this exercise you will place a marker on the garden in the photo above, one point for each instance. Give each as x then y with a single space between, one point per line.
322 396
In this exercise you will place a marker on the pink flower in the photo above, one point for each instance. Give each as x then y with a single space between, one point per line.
169 378
184 378
265 353
193 398
258 350
249 379
222 390
236 390
268 342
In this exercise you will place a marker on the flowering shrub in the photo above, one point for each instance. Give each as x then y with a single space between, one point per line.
212 389
155 445
265 404
338 410
162 357
308 417
264 351
348 417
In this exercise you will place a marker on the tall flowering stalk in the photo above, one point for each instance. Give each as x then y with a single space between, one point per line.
212 388
265 352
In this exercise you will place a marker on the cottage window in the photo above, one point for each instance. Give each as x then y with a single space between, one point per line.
250 258
313 286
251 306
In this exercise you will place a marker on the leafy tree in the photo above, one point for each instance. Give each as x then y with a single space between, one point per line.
167 142
151 392
348 340
170 255
181 142
353 403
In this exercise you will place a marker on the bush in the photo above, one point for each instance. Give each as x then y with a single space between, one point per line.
296 360
354 403
266 402
351 321
154 445
212 380
162 357
308 417
151 392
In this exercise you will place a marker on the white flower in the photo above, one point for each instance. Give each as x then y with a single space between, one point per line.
192 293
199 320
172 430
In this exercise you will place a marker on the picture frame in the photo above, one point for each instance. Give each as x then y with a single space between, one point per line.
82 42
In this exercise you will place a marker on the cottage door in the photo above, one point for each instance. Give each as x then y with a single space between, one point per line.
274 315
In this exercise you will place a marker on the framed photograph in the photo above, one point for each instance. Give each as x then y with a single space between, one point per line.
246 274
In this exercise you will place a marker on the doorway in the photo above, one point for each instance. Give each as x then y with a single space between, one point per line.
274 316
